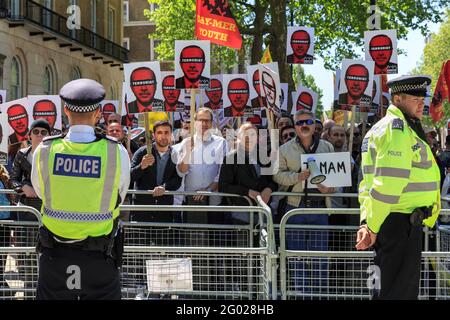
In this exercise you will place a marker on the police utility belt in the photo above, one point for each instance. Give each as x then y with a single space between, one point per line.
105 244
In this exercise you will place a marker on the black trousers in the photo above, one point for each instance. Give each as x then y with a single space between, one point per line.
71 274
398 255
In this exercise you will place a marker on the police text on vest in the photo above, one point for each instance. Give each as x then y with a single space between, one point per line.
77 166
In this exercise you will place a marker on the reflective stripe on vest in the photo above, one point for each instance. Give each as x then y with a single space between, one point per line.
392 172
384 197
421 186
369 169
78 216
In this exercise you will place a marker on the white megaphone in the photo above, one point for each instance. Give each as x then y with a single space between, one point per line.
316 176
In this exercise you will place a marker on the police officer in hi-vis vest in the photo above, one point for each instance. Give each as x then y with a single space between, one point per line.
82 178
400 190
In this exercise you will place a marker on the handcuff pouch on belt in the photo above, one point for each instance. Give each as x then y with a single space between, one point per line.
419 214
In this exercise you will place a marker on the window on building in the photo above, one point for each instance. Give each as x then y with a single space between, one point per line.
47 15
153 45
126 43
16 81
2 62
75 74
111 23
93 15
14 6
49 81
126 11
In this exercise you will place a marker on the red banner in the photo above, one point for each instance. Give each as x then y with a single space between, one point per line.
441 93
214 22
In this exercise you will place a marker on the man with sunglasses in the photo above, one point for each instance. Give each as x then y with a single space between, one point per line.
287 134
400 190
82 178
291 177
21 172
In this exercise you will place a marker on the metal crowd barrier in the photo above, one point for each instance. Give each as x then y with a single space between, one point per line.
311 269
18 257
233 270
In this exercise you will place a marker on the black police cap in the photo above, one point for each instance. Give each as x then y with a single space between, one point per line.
82 95
413 85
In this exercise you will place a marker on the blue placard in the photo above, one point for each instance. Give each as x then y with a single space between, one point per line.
77 166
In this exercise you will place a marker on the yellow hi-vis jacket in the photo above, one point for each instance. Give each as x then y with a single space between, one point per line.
399 172
80 187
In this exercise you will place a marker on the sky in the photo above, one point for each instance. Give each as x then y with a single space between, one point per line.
413 47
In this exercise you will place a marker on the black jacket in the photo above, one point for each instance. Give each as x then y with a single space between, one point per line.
21 171
240 178
21 175
146 179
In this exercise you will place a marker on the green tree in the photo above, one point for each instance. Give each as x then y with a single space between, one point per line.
436 52
339 27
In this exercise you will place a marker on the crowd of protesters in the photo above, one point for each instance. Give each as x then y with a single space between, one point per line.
177 163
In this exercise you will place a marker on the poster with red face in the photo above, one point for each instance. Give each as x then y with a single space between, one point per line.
109 107
300 45
304 99
4 133
48 108
270 88
381 47
192 64
143 89
212 98
236 96
284 96
355 87
173 98
256 99
2 96
18 120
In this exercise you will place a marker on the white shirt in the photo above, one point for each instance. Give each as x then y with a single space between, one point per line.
206 159
86 134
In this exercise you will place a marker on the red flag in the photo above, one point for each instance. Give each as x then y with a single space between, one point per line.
214 22
441 92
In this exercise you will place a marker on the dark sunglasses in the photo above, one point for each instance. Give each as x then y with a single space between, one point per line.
43 132
307 122
288 135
